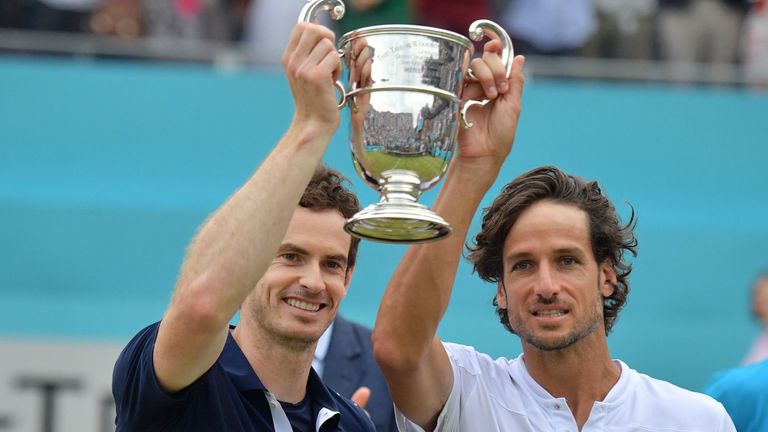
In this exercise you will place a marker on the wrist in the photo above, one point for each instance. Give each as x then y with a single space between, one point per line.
478 172
306 131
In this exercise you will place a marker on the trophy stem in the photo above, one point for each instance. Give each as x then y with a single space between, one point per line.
400 186
398 217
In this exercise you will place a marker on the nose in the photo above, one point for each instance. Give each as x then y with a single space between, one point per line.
312 278
546 285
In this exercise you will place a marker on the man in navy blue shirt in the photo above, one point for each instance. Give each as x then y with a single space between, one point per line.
276 250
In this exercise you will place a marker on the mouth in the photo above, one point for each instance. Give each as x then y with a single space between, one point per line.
304 305
549 313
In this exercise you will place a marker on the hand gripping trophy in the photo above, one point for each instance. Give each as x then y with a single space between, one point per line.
404 95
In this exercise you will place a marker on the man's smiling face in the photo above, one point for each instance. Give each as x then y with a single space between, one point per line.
553 288
299 295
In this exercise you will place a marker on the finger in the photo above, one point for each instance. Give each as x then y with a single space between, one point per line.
311 38
485 76
517 76
494 45
332 60
366 77
319 53
361 396
293 41
498 70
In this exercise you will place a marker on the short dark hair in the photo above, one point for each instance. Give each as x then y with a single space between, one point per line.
326 191
609 239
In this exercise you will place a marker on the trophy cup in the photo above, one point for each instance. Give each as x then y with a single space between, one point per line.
405 84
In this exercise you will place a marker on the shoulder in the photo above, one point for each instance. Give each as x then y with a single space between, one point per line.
475 362
662 401
140 345
742 381
473 370
743 392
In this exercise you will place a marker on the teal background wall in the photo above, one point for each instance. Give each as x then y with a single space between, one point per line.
107 169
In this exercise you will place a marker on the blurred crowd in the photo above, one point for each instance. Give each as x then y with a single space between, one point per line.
716 31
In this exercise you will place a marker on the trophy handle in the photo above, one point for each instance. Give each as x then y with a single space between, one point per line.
477 30
336 8
313 7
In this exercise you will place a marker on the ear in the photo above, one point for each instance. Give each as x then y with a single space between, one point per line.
501 295
348 278
607 279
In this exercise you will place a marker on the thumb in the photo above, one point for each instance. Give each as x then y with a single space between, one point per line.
361 396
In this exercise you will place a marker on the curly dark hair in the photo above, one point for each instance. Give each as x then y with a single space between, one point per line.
326 191
610 240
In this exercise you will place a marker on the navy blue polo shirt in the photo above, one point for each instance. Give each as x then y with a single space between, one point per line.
228 397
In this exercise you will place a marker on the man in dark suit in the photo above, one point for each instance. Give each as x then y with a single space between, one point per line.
346 364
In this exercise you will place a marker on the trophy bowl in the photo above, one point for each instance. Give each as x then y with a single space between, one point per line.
404 95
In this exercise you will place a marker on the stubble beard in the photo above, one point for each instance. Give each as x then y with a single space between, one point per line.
278 332
582 329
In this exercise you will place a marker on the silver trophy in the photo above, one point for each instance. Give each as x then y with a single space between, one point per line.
405 84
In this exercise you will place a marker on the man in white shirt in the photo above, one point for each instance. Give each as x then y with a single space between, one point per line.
554 246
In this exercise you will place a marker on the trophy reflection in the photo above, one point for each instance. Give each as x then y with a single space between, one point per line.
404 96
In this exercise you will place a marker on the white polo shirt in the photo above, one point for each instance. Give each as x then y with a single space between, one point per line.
500 395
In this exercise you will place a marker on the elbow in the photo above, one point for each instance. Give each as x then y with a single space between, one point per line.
199 306
393 355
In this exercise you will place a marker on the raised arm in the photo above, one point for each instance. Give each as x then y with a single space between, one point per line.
411 356
234 247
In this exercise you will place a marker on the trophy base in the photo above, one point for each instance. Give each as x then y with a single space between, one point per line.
397 223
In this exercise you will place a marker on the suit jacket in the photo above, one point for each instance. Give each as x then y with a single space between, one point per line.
349 364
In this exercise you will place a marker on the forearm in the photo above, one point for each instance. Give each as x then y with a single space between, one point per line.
410 355
229 255
419 291
237 243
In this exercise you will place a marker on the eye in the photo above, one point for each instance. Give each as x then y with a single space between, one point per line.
290 257
521 266
334 265
568 261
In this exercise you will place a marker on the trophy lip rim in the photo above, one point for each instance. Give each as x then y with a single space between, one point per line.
419 30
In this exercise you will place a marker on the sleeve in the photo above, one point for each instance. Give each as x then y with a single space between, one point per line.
450 415
140 402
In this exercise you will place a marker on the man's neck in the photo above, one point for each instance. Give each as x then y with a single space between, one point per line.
582 373
283 368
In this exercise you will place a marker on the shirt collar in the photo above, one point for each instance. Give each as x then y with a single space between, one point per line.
520 372
321 351
236 365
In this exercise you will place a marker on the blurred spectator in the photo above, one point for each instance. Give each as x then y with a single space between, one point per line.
268 24
364 13
743 392
549 27
700 30
190 19
453 15
625 29
122 18
759 350
754 44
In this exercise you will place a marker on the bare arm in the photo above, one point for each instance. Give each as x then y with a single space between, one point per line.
411 356
234 247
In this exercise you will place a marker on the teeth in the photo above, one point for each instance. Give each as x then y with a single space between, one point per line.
312 307
549 313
